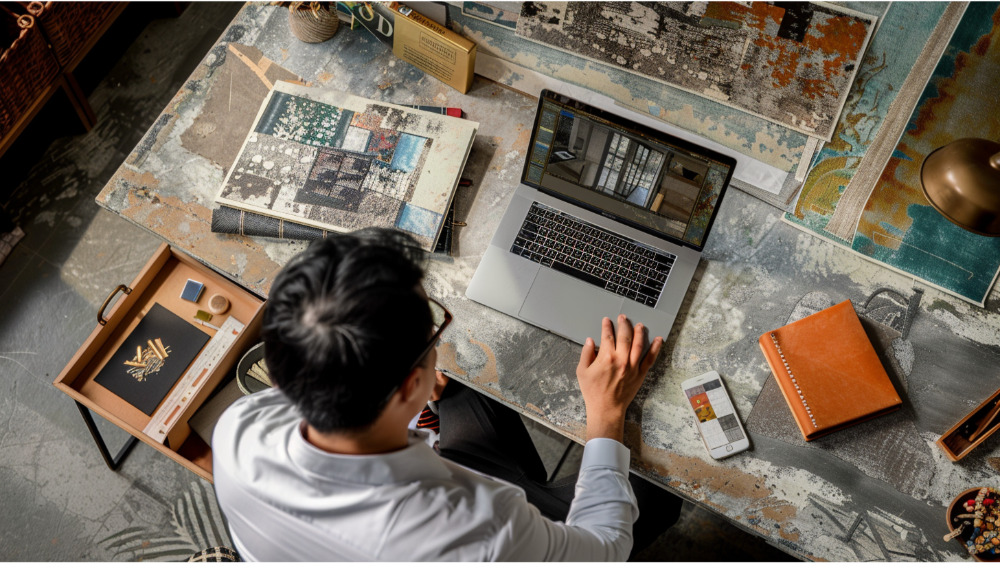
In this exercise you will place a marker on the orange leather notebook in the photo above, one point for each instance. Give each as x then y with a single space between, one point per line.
828 371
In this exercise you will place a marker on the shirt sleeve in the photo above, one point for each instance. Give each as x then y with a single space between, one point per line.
599 524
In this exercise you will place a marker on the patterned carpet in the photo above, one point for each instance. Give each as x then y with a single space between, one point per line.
885 216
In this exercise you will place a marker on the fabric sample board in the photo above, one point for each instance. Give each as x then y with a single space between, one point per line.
896 225
790 63
151 360
339 162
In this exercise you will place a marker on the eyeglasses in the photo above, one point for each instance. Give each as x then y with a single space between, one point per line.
440 319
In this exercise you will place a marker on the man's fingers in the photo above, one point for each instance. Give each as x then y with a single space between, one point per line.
441 378
440 382
624 335
607 335
654 351
587 355
638 342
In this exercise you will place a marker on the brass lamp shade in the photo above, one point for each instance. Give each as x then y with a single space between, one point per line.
962 181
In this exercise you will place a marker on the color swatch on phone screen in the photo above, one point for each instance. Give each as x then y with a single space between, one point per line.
715 414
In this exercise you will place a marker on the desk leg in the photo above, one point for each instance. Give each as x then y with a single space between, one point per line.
113 463
562 460
79 102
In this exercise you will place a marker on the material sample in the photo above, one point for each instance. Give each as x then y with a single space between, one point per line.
792 63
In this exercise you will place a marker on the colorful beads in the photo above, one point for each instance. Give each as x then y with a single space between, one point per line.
984 513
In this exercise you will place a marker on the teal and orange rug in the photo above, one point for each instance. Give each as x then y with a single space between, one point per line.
896 226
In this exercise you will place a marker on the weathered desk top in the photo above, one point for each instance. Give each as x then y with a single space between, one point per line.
815 501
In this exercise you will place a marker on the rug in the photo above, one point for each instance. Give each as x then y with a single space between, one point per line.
753 136
790 63
504 14
896 226
896 45
890 449
865 141
8 241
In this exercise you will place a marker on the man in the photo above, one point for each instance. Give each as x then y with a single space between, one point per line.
325 466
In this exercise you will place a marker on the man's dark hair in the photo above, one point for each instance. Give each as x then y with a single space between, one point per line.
344 322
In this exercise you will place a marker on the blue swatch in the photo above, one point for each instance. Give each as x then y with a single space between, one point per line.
408 151
192 291
418 220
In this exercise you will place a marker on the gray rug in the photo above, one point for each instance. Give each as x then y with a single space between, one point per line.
888 448
8 241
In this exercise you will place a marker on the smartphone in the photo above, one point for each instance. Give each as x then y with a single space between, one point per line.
718 422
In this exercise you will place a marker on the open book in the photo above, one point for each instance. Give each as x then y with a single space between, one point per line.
339 162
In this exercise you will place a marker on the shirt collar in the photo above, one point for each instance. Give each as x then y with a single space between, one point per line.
415 462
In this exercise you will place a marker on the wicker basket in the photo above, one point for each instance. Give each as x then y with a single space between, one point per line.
313 27
70 25
27 66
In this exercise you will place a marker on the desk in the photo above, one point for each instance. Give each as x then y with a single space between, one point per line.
755 272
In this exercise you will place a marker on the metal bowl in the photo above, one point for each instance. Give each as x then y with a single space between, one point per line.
246 382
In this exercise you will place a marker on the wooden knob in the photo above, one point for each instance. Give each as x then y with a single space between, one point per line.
218 304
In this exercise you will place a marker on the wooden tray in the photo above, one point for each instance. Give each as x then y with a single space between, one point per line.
955 445
160 281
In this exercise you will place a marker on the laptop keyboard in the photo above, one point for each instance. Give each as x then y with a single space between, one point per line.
593 254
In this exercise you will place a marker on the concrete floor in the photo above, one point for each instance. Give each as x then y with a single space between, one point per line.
61 501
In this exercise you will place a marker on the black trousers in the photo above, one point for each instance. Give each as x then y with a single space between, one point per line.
485 435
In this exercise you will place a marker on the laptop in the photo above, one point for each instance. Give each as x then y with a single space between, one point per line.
610 218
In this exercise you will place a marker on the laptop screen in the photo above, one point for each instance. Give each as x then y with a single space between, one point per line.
646 178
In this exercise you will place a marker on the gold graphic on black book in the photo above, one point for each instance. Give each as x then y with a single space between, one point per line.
149 361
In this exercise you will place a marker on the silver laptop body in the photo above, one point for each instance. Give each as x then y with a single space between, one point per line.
587 234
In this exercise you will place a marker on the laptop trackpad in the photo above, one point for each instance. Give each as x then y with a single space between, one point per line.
568 306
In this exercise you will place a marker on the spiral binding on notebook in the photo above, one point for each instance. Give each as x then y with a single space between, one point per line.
795 383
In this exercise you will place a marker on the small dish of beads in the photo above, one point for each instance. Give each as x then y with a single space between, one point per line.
974 520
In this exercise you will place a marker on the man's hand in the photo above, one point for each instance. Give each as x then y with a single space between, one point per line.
610 379
440 381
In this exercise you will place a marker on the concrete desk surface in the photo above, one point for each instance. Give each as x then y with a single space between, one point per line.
876 492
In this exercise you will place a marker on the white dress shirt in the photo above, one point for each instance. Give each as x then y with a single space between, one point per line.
287 500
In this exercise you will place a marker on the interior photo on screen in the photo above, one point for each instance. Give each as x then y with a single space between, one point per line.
666 188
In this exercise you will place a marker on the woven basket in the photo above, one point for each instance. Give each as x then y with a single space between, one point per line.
70 25
27 66
311 27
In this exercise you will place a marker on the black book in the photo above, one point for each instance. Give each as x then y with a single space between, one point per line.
152 359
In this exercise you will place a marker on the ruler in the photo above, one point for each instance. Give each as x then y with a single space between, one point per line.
166 417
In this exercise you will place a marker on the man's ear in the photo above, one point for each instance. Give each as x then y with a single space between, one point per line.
410 385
